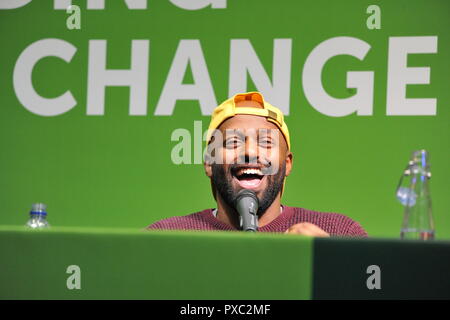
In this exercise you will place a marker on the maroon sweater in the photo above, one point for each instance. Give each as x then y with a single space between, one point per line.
333 223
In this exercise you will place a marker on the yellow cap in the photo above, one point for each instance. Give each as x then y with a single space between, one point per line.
228 109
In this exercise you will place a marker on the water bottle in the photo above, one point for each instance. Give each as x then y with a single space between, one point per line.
38 216
413 192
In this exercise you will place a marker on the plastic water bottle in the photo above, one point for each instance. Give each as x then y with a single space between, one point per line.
38 216
413 192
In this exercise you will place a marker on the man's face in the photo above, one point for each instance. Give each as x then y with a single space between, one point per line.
252 155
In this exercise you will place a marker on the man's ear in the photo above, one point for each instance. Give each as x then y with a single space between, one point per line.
289 162
207 166
208 171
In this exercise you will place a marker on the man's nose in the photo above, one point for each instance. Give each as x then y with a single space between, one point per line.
251 149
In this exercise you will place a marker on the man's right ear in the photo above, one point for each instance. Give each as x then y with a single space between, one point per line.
207 165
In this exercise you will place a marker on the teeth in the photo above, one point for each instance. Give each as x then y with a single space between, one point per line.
249 171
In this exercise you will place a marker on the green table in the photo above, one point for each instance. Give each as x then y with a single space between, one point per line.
133 264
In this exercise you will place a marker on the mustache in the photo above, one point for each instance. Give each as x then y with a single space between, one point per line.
266 166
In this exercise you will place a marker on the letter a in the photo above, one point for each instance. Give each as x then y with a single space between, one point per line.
374 281
74 20
374 20
74 281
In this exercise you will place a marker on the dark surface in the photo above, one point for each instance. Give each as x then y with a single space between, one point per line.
408 269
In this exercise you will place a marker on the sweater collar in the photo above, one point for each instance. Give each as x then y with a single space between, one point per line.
285 214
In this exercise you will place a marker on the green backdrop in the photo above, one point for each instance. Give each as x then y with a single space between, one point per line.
115 169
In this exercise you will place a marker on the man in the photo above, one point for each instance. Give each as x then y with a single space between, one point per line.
249 148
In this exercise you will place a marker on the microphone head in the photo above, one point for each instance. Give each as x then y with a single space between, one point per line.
246 201
246 193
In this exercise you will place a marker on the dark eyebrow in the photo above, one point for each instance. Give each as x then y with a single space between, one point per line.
265 132
234 132
269 132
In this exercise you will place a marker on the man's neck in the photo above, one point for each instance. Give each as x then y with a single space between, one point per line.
229 215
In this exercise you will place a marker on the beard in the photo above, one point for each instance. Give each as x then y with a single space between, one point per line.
222 184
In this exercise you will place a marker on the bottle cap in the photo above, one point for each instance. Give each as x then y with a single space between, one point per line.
38 208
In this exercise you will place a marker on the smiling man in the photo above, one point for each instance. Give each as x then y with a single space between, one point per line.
249 148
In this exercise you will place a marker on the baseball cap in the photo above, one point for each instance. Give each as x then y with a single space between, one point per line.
228 109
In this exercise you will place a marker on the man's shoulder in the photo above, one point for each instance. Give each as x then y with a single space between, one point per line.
193 221
332 222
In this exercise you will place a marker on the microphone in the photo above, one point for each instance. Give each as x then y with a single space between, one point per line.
246 205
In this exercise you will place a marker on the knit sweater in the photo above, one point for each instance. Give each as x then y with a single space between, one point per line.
333 223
